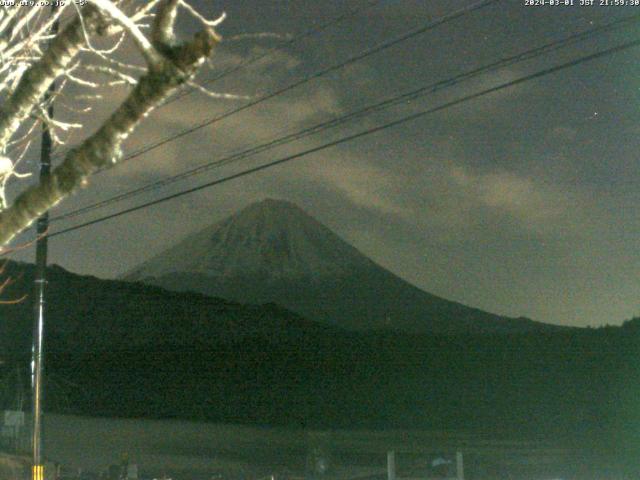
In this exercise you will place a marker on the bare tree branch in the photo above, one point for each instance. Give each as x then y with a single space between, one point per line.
175 65
36 80
148 51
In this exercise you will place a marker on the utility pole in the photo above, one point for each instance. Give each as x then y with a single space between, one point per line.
37 352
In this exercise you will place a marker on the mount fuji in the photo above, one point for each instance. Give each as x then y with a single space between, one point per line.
274 252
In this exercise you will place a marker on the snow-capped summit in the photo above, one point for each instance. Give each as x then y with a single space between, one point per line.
271 239
272 251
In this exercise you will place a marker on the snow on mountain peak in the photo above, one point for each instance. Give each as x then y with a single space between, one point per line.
272 251
270 239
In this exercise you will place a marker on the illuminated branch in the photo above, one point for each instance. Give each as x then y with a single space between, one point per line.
169 65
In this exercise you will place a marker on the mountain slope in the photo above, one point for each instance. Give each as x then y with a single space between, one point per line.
272 251
269 240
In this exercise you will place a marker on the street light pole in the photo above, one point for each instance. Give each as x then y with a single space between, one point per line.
38 327
37 361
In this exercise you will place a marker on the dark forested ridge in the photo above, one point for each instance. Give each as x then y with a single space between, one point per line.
126 349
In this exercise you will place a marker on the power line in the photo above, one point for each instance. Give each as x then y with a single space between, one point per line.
351 60
247 62
366 53
370 109
401 121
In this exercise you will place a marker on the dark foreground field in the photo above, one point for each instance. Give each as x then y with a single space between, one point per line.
194 450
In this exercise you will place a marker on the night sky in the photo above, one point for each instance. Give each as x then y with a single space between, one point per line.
522 202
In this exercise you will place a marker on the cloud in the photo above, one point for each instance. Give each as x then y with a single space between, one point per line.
447 199
269 59
489 106
366 186
451 201
249 127
534 205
